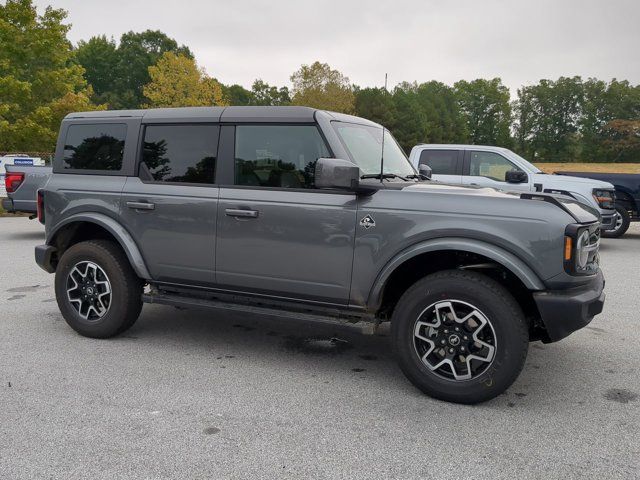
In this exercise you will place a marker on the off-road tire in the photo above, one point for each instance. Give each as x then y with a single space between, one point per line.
126 287
500 309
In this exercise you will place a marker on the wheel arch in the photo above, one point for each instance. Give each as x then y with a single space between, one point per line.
87 226
445 253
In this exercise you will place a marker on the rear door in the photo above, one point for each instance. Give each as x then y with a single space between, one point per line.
277 234
446 164
488 169
170 207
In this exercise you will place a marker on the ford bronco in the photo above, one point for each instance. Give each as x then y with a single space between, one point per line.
315 216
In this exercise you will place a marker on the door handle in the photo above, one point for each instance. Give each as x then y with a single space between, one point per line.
238 212
141 205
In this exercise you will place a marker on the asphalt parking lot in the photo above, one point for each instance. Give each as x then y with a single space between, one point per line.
189 394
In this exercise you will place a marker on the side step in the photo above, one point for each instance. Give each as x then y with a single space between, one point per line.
366 325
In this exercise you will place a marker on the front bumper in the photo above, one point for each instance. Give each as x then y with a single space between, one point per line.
608 222
565 311
7 204
45 256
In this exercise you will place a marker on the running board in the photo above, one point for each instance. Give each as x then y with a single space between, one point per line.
364 324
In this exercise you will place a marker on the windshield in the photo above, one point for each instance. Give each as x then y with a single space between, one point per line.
533 168
364 145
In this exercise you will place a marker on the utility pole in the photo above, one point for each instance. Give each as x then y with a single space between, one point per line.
385 82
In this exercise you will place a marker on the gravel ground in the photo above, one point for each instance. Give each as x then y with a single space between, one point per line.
187 394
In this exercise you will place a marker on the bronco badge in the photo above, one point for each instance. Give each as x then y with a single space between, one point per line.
367 222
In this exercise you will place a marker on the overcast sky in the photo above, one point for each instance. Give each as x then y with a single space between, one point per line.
521 41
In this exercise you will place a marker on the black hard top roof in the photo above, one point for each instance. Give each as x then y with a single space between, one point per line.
218 114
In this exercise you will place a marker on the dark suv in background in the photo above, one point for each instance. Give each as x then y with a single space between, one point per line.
316 216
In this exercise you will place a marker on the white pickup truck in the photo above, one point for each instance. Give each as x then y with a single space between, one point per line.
500 168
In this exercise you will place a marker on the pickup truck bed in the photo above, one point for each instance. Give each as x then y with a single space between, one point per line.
23 198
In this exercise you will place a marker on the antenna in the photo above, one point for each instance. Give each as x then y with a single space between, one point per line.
382 158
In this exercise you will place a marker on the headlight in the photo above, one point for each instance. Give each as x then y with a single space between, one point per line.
581 246
582 252
604 198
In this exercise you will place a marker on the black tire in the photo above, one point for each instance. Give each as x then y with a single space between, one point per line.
125 301
495 303
622 223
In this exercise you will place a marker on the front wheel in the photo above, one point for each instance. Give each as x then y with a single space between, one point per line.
460 336
97 291
621 222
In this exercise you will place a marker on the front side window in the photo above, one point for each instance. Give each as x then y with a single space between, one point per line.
94 147
491 165
364 144
180 153
277 155
442 162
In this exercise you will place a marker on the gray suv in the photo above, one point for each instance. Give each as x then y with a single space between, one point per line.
316 216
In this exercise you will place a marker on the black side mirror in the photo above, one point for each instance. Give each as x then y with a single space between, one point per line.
516 176
336 173
425 170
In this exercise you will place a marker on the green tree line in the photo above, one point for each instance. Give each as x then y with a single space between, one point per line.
43 76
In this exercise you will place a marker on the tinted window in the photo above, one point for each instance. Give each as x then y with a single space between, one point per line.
95 147
278 155
180 153
491 165
442 162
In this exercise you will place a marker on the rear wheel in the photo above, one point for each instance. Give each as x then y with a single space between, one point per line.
621 222
460 336
97 291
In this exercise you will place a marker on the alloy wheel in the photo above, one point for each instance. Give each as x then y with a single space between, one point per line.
89 290
455 340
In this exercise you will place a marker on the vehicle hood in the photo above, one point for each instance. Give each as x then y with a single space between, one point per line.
563 181
581 212
437 187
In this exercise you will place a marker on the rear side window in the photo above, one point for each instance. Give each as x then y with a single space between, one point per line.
442 162
277 155
94 147
180 153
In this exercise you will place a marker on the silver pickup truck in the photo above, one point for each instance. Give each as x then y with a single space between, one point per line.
22 183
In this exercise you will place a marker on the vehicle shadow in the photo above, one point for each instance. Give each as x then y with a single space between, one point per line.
284 345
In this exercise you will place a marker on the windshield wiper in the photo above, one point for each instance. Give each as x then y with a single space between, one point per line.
382 175
418 176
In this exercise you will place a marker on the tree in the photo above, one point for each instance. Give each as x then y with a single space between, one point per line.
237 95
39 82
265 94
486 110
411 122
176 81
99 58
376 104
122 74
605 107
318 86
547 127
622 140
445 123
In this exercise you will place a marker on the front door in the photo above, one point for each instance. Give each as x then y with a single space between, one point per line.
170 208
488 169
277 234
